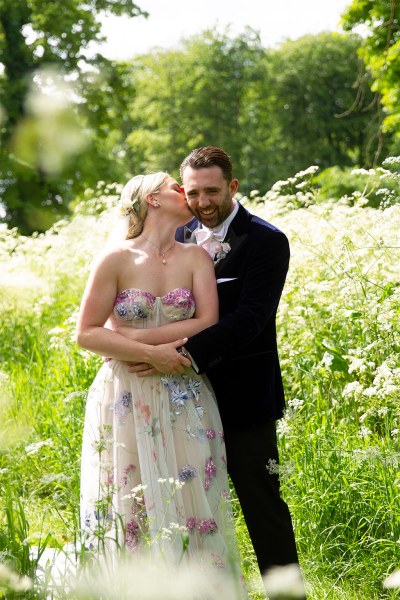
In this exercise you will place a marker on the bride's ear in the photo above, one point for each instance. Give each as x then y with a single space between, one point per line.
151 200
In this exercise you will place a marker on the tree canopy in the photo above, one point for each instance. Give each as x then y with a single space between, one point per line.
69 118
380 51
36 34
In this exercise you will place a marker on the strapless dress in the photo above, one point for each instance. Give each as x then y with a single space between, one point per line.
153 454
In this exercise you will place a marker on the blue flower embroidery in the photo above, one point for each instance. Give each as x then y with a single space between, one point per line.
179 396
187 473
123 405
194 386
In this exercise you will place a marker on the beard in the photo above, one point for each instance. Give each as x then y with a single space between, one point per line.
218 215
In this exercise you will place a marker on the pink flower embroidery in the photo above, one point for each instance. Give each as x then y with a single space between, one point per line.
210 471
144 410
217 561
132 534
207 526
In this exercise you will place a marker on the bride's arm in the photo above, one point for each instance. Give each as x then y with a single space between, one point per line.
206 313
96 306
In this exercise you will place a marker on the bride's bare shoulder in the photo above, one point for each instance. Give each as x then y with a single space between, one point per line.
195 252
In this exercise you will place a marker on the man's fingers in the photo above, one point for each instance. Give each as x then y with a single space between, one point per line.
180 342
146 372
138 367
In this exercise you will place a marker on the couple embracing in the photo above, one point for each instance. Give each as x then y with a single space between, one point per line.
184 310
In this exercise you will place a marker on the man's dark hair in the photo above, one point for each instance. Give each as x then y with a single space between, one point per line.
209 156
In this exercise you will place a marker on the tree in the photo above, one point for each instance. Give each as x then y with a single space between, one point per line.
32 36
193 97
380 51
325 118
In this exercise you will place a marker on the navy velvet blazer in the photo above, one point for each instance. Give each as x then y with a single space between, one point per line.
239 354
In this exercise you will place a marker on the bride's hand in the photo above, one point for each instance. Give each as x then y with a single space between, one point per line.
164 359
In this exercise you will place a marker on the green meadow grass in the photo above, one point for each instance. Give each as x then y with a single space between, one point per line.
338 328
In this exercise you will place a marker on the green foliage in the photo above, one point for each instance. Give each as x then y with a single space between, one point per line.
323 118
380 51
274 110
338 324
194 97
373 187
49 152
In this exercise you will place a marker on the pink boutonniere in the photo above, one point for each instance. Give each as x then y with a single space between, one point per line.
221 251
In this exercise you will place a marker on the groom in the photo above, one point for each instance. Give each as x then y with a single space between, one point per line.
239 354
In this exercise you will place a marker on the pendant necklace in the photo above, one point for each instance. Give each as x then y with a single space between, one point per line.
161 252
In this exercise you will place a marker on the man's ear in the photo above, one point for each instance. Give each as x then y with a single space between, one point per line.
233 187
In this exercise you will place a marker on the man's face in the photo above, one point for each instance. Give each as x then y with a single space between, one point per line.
208 194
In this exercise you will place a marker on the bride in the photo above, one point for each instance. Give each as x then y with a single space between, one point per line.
153 470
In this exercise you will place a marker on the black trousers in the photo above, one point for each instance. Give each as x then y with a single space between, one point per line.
267 516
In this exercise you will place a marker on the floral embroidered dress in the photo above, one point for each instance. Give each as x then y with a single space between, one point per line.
153 471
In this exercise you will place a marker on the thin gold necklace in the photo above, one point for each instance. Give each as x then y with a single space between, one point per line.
161 252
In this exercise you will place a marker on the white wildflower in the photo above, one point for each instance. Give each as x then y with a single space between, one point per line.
327 360
284 582
295 403
364 432
272 467
392 582
11 580
34 448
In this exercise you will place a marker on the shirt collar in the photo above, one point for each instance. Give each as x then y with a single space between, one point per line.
222 229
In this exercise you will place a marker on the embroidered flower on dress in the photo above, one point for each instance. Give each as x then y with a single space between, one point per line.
144 410
179 396
194 386
217 561
123 405
200 410
191 524
210 433
210 471
187 473
132 534
169 381
127 474
178 304
202 525
207 526
132 304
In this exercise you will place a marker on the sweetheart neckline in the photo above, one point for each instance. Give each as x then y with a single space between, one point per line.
146 292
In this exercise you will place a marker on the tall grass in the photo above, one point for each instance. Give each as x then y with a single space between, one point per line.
338 327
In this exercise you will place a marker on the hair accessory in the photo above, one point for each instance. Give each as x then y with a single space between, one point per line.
126 205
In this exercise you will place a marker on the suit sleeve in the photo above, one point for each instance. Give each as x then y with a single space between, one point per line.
264 270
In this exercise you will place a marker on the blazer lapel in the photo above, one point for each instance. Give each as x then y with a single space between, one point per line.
235 236
188 236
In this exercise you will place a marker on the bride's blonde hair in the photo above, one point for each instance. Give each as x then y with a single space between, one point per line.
133 199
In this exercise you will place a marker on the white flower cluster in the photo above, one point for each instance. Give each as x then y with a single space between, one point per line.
127 205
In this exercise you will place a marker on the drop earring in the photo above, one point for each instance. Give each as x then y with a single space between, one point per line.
155 203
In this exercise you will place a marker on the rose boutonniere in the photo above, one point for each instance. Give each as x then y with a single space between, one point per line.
221 251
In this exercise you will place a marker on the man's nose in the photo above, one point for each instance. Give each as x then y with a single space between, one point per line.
203 200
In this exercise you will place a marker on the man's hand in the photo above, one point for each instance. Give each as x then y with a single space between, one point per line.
164 359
